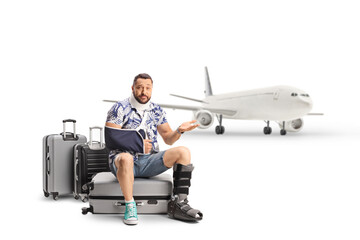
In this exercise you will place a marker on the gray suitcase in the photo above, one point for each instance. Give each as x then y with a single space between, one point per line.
150 194
58 161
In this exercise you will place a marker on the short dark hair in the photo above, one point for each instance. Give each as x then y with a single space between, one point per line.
142 75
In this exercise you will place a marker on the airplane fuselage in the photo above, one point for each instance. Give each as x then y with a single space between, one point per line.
279 103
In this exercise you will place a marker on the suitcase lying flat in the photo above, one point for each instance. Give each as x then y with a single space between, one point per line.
150 194
58 166
89 159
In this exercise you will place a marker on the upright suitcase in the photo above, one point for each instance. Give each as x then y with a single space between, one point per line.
89 158
150 194
58 166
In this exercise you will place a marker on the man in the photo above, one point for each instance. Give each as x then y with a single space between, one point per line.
138 112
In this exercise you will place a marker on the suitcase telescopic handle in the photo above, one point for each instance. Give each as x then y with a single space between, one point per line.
69 120
74 137
102 145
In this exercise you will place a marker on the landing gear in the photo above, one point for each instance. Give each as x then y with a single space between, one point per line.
283 131
219 129
267 129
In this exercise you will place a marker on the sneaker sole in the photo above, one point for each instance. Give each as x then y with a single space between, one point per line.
131 222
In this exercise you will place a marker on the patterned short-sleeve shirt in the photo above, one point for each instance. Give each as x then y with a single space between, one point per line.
124 114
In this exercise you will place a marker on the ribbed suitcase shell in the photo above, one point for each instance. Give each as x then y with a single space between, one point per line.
58 166
87 163
151 194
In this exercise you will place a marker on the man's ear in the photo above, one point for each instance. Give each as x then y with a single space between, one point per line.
132 88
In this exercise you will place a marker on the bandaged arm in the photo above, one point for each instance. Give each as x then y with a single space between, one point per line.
124 139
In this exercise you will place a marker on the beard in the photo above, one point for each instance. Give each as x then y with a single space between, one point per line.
140 98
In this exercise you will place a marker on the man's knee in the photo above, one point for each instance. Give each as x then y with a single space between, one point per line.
124 161
184 155
180 155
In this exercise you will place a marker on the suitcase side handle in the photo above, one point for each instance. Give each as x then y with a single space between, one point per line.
119 204
70 137
100 145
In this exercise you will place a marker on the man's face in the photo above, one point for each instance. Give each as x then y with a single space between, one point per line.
142 90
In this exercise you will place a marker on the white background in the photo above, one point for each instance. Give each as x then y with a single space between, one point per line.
59 59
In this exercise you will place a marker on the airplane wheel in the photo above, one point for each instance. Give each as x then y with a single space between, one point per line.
219 129
222 130
267 130
283 132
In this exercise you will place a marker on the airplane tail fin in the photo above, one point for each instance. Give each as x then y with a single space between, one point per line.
208 90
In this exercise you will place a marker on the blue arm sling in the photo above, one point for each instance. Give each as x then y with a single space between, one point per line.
124 139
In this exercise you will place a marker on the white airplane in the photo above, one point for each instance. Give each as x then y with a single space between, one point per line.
282 104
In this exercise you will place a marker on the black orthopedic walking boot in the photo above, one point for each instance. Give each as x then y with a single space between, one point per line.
178 206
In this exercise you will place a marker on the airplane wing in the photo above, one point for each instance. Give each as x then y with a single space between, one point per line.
315 114
112 101
187 98
228 112
182 107
195 108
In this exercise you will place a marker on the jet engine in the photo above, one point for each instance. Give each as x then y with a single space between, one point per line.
293 125
204 118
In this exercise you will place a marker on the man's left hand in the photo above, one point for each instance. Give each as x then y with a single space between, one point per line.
188 126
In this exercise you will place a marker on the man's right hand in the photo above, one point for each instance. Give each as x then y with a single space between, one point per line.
148 145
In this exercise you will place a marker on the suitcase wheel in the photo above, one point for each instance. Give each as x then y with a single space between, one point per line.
84 198
55 195
46 194
76 196
85 210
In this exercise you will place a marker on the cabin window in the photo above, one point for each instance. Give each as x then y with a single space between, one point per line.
294 94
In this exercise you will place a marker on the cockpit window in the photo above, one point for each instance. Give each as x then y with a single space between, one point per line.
302 94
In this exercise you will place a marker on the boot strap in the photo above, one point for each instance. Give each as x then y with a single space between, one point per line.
180 190
182 183
178 175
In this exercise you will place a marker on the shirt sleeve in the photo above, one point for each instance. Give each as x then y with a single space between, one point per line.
162 116
116 114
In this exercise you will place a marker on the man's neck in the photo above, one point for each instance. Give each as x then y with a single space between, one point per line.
140 107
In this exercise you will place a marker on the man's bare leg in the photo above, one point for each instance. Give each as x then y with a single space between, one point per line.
124 163
125 175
